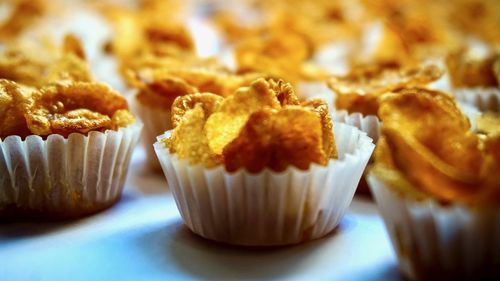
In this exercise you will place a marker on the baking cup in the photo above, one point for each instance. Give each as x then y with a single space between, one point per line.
369 124
434 241
60 177
484 99
156 121
268 208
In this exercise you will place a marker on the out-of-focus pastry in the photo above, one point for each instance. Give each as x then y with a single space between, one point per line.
65 143
22 14
436 184
475 76
50 63
360 90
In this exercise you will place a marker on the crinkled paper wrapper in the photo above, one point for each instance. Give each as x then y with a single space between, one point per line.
369 124
434 241
484 99
268 208
156 122
64 177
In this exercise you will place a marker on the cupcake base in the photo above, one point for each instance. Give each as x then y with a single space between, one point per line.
440 242
268 208
64 177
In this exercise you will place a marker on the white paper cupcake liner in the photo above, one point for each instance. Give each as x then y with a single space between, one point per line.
440 242
65 177
484 99
156 122
268 208
369 124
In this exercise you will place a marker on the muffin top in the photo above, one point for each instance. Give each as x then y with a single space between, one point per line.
159 86
60 108
260 126
427 149
50 63
360 90
279 54
472 67
55 94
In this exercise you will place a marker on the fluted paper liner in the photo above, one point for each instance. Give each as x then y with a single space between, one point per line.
64 177
268 208
484 99
434 241
369 124
156 122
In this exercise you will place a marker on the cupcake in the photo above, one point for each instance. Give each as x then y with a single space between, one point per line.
475 77
65 140
260 168
437 187
65 148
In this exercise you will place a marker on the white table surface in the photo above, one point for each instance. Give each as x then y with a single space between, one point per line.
143 238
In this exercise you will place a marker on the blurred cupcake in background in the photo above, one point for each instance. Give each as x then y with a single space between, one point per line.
66 140
436 184
475 76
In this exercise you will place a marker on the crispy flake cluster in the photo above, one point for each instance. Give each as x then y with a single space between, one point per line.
361 90
468 68
263 125
428 146
159 87
48 64
23 14
60 108
280 55
145 37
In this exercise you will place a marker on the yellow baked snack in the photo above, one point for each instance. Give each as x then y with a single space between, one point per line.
61 108
49 64
361 89
428 140
259 126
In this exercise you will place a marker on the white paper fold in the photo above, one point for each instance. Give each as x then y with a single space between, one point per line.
369 124
268 208
65 177
484 99
440 242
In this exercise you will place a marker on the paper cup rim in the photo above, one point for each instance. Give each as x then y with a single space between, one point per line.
365 140
136 125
